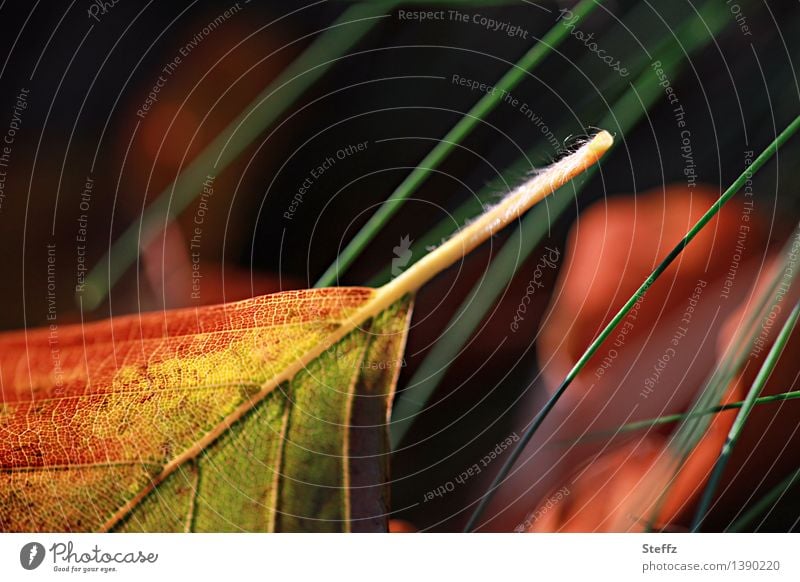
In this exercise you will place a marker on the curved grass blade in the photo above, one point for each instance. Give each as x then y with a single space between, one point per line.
262 111
738 424
762 159
625 115
460 130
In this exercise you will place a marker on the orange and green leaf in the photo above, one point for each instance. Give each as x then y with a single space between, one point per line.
269 414
162 423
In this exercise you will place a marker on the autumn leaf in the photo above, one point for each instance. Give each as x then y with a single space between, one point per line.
269 414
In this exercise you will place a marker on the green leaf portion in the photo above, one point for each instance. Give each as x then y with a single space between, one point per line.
169 508
310 457
327 421
237 476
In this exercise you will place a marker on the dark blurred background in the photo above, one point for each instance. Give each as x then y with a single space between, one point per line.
84 72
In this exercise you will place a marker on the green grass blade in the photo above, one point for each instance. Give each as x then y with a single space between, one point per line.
762 159
738 424
679 416
694 427
460 130
625 114
765 502
262 111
